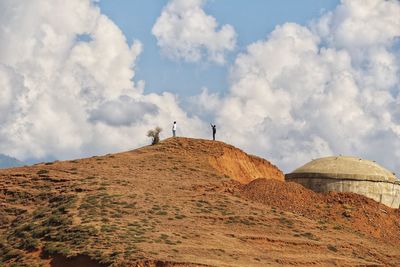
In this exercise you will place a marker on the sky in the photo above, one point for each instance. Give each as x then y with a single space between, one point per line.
286 80
136 19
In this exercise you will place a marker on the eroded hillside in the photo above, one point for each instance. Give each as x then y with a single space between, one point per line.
179 203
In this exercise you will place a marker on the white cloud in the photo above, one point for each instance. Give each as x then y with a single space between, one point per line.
12 85
359 24
331 88
205 102
185 31
303 92
67 96
122 112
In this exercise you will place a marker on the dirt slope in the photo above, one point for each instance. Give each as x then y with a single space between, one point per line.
354 211
173 204
242 167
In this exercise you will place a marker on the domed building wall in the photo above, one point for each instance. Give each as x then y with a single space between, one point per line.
349 174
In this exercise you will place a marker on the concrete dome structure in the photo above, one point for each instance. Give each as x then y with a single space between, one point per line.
349 174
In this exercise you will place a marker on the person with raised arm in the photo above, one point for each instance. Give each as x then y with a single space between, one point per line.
214 130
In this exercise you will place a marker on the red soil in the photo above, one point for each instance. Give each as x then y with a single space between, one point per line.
355 211
242 167
77 261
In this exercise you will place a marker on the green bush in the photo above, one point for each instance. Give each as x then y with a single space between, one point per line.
40 232
21 231
12 254
29 244
57 220
55 248
39 213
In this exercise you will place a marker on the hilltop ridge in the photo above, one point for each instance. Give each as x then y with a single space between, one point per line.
182 202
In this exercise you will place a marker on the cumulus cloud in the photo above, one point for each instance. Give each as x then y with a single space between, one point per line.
353 26
185 31
328 88
122 112
206 102
67 90
12 85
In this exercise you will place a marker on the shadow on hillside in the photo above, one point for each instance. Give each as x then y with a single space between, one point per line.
76 261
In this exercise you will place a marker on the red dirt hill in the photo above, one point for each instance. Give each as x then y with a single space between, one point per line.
183 202
354 211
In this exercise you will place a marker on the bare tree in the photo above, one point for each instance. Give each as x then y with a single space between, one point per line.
155 135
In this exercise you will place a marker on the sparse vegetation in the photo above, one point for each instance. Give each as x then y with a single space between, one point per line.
155 135
332 248
10 253
29 244
41 172
284 220
338 227
310 236
52 248
57 220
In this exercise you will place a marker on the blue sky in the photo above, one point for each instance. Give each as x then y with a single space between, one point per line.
253 20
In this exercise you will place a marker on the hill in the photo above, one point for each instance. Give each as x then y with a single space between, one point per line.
7 162
184 202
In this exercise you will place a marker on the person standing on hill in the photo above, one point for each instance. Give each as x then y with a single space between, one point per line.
214 130
174 129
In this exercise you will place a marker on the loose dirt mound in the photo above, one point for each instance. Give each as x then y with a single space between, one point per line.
352 210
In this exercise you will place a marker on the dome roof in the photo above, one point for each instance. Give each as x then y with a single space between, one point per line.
343 167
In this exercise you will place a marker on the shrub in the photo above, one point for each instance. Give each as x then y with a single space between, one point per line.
338 227
56 220
55 248
39 213
24 228
310 236
12 254
155 135
332 248
40 232
29 244
42 172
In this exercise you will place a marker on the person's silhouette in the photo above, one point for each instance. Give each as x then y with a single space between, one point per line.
214 130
